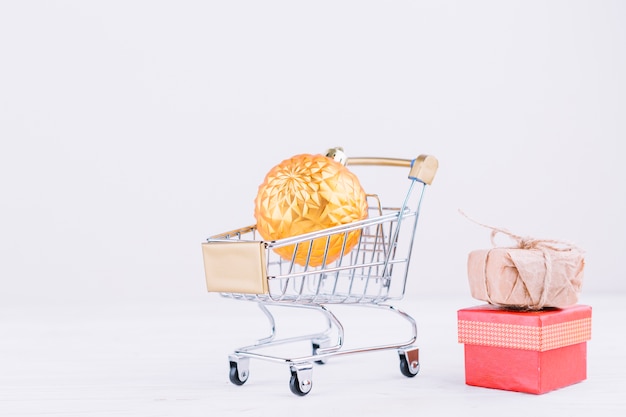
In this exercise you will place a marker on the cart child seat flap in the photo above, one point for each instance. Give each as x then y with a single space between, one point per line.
235 267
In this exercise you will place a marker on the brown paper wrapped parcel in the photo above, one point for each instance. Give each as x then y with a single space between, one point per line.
532 275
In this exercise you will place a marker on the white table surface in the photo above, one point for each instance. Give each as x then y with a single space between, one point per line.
170 358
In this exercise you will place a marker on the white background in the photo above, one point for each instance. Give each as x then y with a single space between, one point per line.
132 130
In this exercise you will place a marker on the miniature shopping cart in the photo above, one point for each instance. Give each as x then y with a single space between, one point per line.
241 266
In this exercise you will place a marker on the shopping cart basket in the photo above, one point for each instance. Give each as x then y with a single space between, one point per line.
240 265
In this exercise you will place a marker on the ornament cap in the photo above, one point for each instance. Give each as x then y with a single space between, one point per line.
337 154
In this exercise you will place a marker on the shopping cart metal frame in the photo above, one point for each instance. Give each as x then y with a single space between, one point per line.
240 265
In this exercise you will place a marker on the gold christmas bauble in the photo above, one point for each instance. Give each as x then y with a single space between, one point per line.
307 193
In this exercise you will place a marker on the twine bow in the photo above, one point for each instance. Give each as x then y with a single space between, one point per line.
525 242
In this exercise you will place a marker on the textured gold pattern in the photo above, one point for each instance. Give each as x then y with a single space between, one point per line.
307 193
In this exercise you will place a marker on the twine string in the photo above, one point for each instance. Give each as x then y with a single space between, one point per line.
525 242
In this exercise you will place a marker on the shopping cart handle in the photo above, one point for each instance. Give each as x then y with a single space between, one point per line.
423 168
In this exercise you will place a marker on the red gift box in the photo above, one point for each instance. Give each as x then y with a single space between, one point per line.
525 351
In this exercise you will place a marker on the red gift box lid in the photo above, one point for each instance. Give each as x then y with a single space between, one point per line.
489 325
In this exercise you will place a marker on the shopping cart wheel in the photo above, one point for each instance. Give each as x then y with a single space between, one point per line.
409 362
239 371
300 382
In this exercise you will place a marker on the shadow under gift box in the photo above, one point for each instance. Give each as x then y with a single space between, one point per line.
524 351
